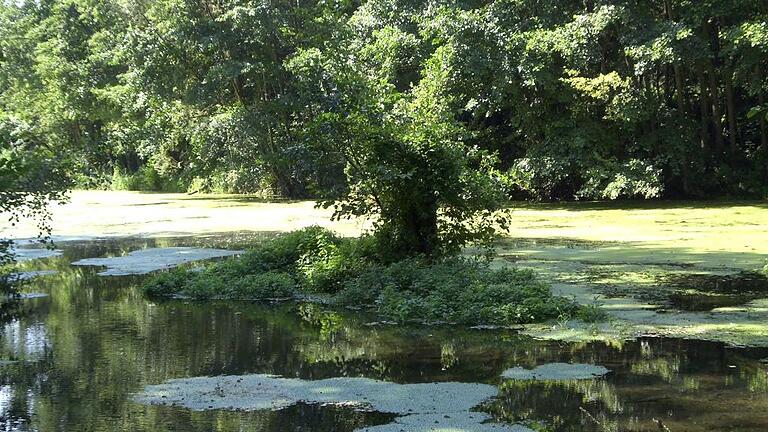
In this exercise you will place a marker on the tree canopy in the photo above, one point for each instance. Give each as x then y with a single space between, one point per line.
426 112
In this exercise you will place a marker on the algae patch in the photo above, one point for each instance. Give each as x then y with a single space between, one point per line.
148 260
556 372
419 407
452 422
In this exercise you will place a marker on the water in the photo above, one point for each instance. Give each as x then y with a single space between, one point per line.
81 352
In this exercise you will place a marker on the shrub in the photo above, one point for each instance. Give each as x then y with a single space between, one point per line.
263 286
146 178
453 290
286 251
204 286
168 283
591 313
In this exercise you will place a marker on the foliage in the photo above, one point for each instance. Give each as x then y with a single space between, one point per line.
211 283
455 290
423 116
450 290
310 257
407 160
591 313
379 102
31 176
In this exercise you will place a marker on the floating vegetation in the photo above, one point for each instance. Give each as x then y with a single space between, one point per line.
419 407
148 260
556 372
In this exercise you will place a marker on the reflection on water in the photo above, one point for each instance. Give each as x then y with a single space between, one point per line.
71 361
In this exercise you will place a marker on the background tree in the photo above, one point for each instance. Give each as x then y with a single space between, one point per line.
602 99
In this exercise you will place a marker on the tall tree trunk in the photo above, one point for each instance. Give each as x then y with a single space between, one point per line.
703 107
685 171
717 116
761 120
730 101
712 65
679 91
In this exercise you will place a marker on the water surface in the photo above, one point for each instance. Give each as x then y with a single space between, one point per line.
73 359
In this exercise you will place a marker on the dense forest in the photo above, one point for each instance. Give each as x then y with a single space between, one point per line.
557 99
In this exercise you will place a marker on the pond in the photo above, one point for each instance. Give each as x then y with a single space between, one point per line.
75 359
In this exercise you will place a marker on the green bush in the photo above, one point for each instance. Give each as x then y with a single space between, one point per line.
221 281
145 179
455 290
591 313
263 286
268 271
168 283
286 251
332 262
451 290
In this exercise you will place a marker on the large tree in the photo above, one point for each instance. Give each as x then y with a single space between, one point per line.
408 164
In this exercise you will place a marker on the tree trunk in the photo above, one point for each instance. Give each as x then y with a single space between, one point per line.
761 120
679 91
412 228
717 122
703 107
730 101
421 227
763 126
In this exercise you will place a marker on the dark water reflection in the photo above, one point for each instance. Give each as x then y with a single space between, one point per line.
76 356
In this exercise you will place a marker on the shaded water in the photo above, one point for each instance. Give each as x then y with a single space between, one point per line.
80 353
703 292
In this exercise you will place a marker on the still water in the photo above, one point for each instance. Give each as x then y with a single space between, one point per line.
72 360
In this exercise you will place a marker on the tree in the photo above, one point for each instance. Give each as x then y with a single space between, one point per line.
407 162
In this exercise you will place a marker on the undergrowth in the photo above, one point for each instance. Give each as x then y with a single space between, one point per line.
313 260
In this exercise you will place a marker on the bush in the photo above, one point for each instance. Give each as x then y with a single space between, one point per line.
262 286
312 255
145 179
451 290
285 252
455 290
591 313
327 267
168 283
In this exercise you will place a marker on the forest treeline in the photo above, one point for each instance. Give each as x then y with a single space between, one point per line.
559 99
